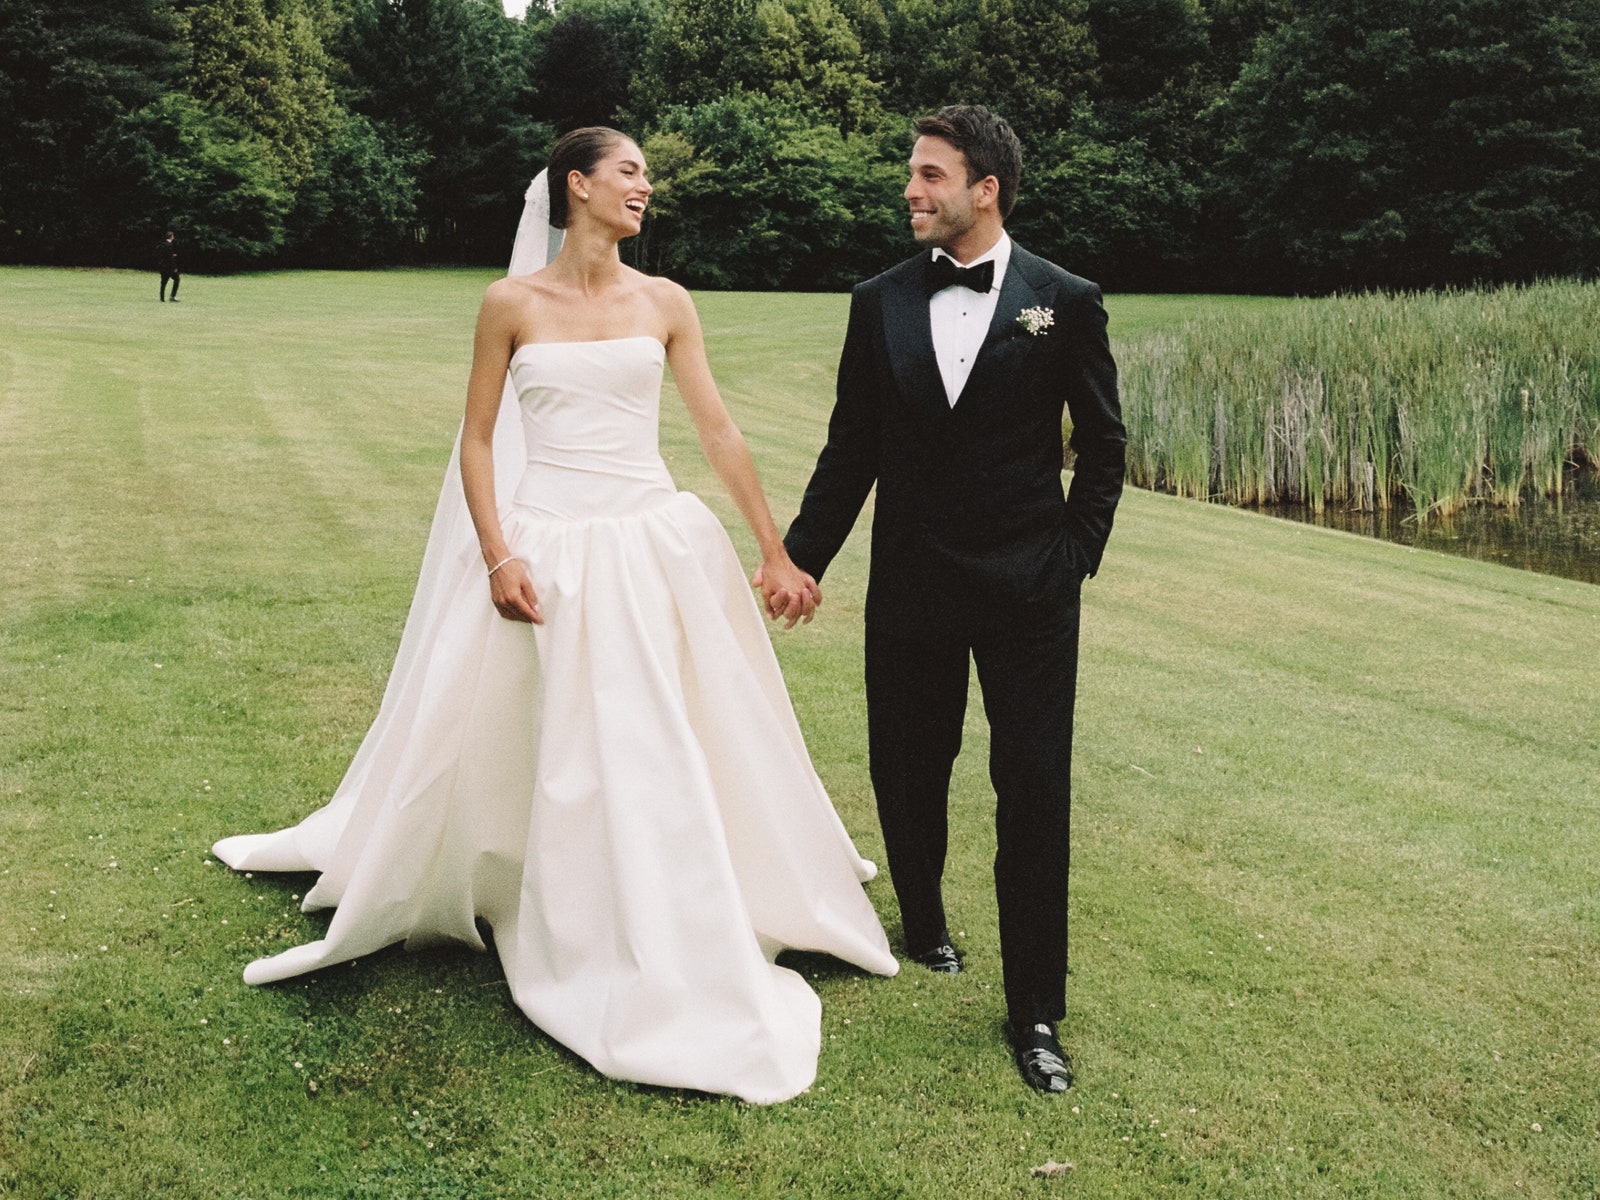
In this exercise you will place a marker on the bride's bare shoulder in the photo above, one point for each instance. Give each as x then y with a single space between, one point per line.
518 300
512 290
672 300
658 284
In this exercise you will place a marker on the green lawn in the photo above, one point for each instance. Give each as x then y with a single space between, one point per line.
1336 875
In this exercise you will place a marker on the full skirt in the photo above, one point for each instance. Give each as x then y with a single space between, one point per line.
621 794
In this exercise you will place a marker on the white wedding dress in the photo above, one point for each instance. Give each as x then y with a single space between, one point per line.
622 793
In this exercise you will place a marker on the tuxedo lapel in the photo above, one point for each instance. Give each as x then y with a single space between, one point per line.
1019 289
908 330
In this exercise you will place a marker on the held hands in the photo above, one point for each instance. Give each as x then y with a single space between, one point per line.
789 593
512 592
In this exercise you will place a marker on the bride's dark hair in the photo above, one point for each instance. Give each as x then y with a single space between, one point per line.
578 151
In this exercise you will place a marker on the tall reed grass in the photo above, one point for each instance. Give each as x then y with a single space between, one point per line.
1440 399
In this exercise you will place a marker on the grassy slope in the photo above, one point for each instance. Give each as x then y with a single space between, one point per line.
1336 862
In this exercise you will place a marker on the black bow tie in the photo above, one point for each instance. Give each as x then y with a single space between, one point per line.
943 273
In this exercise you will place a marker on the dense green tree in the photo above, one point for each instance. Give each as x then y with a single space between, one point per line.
358 205
69 72
1104 95
451 78
1150 57
870 21
1232 30
804 53
755 194
1113 209
1130 169
587 59
1032 61
808 55
580 74
1414 142
267 69
179 165
1275 143
697 54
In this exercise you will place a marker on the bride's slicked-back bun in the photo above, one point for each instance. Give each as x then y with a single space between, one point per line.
578 151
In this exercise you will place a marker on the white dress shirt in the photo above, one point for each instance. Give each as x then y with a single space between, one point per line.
961 317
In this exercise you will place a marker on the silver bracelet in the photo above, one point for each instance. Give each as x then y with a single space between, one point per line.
501 563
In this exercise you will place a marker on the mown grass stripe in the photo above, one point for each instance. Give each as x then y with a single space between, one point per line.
1393 790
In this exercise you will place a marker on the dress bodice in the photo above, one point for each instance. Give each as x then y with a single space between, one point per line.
590 415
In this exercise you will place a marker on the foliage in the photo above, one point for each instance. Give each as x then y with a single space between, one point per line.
1418 142
581 72
358 205
69 72
1030 60
1102 206
720 219
198 173
451 78
1265 144
1150 58
697 52
1363 401
1232 27
266 72
809 55
804 53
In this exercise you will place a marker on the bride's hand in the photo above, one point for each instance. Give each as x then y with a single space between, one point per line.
789 593
511 589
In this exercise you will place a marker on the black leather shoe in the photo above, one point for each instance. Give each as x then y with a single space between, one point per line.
1040 1060
944 959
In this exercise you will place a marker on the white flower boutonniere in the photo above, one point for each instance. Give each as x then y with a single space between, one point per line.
1037 320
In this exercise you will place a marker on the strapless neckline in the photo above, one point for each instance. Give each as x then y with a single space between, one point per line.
637 337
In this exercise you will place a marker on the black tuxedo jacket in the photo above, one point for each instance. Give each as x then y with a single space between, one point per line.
971 522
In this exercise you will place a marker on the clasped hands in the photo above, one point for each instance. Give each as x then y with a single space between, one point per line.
789 594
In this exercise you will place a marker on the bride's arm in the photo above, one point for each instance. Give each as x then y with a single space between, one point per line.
787 590
509 585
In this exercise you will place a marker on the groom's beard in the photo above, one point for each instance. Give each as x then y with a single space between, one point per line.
944 227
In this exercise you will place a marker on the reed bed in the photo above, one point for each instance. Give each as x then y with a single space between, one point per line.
1436 400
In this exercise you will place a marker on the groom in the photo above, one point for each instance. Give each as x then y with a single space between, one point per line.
957 366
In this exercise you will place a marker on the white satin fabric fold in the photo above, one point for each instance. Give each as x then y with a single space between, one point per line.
622 794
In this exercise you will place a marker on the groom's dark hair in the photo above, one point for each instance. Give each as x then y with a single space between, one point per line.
987 141
580 150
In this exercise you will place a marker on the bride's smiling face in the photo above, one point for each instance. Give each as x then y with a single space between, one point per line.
617 191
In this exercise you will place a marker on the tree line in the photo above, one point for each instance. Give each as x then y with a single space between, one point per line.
1271 145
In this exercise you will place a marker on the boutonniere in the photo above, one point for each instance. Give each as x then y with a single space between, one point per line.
1037 320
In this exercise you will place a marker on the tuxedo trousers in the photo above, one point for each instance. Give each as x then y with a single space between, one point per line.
916 706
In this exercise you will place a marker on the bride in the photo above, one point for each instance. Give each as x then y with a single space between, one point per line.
586 743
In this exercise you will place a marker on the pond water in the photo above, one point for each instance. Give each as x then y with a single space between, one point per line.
1554 537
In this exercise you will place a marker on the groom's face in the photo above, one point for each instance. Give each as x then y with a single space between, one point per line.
943 204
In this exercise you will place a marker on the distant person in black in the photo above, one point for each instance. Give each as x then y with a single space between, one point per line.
167 264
